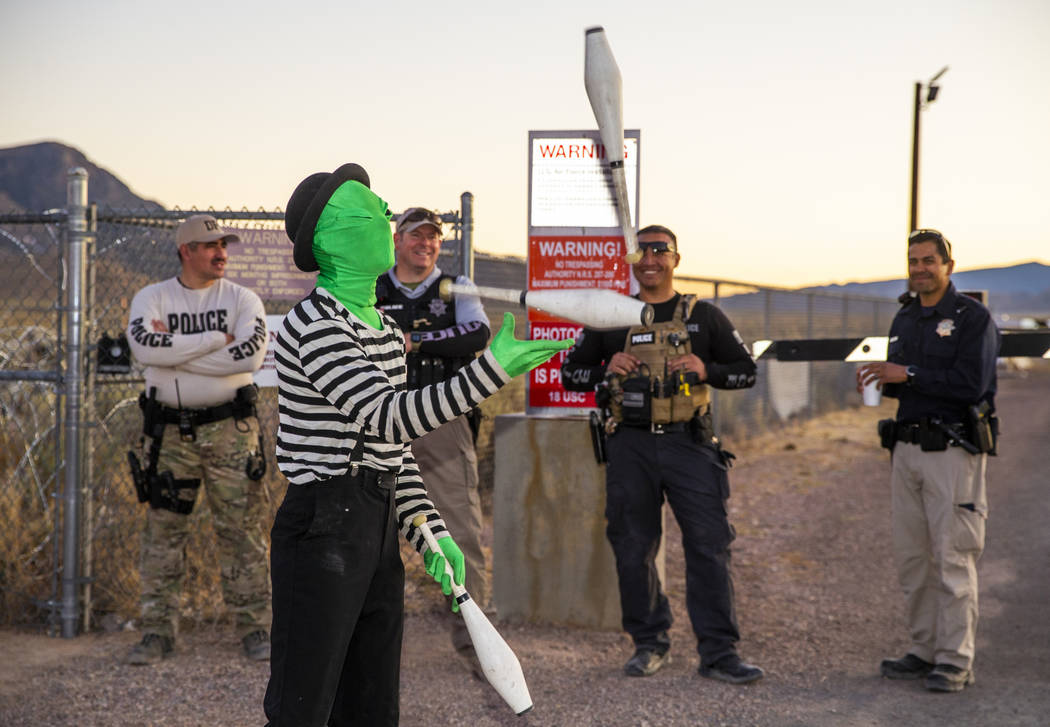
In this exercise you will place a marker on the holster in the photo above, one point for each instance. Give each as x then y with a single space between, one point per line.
244 401
887 433
932 437
164 493
160 490
598 438
255 467
983 427
152 427
244 406
702 428
139 478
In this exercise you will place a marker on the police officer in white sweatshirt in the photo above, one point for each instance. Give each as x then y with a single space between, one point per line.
200 338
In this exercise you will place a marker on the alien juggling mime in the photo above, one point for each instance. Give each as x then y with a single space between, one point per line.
346 421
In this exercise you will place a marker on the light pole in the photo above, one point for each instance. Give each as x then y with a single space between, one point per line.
931 95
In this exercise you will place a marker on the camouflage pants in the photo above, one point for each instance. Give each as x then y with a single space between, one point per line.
238 507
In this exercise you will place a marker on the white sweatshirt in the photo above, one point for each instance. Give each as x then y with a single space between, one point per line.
192 348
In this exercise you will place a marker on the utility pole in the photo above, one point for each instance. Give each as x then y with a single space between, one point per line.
931 94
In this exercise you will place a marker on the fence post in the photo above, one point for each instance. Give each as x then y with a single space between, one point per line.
767 325
76 243
87 440
809 364
466 214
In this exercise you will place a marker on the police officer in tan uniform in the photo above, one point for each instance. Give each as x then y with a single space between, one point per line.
200 338
941 368
654 381
442 334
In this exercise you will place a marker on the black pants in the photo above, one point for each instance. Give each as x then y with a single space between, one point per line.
338 605
643 469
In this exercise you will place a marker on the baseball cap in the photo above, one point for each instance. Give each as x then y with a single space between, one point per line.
415 217
202 228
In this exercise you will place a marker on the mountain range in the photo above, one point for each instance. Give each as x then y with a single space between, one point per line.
33 179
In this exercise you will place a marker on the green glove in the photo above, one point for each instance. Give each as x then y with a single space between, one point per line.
435 565
517 357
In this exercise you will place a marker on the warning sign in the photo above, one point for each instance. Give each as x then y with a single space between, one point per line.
262 261
569 261
575 241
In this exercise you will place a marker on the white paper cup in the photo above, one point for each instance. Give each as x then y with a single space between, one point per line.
872 394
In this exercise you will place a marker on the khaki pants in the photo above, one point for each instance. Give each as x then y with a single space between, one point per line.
939 512
449 467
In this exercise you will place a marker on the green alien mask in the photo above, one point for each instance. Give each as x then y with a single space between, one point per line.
353 246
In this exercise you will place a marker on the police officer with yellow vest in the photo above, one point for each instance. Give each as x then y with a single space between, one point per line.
654 381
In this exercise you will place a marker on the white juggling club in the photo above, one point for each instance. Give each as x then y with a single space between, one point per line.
601 77
498 662
597 308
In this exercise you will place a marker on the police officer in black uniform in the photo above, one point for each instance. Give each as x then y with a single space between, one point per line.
443 332
941 368
653 381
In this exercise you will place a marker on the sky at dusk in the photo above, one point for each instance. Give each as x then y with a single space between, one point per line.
775 137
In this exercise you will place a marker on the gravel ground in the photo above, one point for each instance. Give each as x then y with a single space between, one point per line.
817 601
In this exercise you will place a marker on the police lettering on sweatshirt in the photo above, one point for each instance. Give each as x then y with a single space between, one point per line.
179 334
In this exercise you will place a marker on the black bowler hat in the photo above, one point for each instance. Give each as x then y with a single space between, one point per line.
306 204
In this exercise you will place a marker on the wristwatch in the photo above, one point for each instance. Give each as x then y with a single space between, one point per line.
910 373
416 337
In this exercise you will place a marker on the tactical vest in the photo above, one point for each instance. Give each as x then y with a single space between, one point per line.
652 395
428 312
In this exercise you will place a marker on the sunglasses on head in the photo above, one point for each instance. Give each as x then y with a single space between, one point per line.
929 235
419 214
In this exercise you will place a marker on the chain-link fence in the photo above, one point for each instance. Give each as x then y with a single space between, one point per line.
69 555
32 278
41 567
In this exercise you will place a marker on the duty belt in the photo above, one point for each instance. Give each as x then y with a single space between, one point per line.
206 415
660 428
910 432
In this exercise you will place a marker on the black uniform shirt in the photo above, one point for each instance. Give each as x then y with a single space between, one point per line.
439 331
712 338
953 348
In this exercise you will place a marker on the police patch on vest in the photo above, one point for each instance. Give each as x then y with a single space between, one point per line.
640 338
438 307
945 327
393 306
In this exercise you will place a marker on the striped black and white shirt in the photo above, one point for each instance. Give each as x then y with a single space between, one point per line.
341 388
